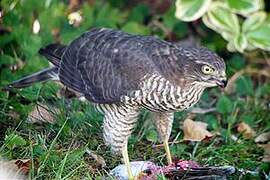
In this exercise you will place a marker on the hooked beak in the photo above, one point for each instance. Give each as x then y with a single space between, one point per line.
222 83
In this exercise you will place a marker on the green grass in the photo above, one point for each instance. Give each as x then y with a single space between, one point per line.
59 150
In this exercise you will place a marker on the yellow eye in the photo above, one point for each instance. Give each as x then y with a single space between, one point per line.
207 70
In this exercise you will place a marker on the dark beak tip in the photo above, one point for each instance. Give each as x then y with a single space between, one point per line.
223 84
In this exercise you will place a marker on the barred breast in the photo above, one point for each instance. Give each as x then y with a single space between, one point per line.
159 95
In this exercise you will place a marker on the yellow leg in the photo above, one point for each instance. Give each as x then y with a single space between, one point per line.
168 153
127 163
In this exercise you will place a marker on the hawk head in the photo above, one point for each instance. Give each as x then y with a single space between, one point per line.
204 66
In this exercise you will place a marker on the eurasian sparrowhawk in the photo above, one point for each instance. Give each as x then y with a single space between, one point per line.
122 73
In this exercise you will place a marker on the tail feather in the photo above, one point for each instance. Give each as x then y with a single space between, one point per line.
53 53
41 76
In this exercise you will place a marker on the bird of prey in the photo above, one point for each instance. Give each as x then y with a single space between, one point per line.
122 73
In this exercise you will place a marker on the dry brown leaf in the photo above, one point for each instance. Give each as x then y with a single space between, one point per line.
99 159
74 4
246 130
266 148
263 138
43 113
195 130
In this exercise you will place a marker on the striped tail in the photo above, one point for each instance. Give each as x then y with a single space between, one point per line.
41 76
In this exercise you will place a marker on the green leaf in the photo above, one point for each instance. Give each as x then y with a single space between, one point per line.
236 62
136 28
212 122
38 150
169 19
245 7
254 21
220 19
31 45
14 140
224 105
114 18
240 43
190 10
260 37
231 46
138 13
263 90
6 39
152 135
244 86
6 59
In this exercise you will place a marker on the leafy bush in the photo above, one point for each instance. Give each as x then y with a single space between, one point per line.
243 23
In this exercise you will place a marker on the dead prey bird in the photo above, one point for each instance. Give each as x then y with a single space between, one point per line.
121 73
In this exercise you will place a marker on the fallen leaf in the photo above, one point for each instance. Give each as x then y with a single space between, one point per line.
43 113
99 159
195 130
262 138
246 130
74 4
266 155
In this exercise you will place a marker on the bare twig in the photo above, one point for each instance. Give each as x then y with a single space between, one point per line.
202 111
170 143
231 82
